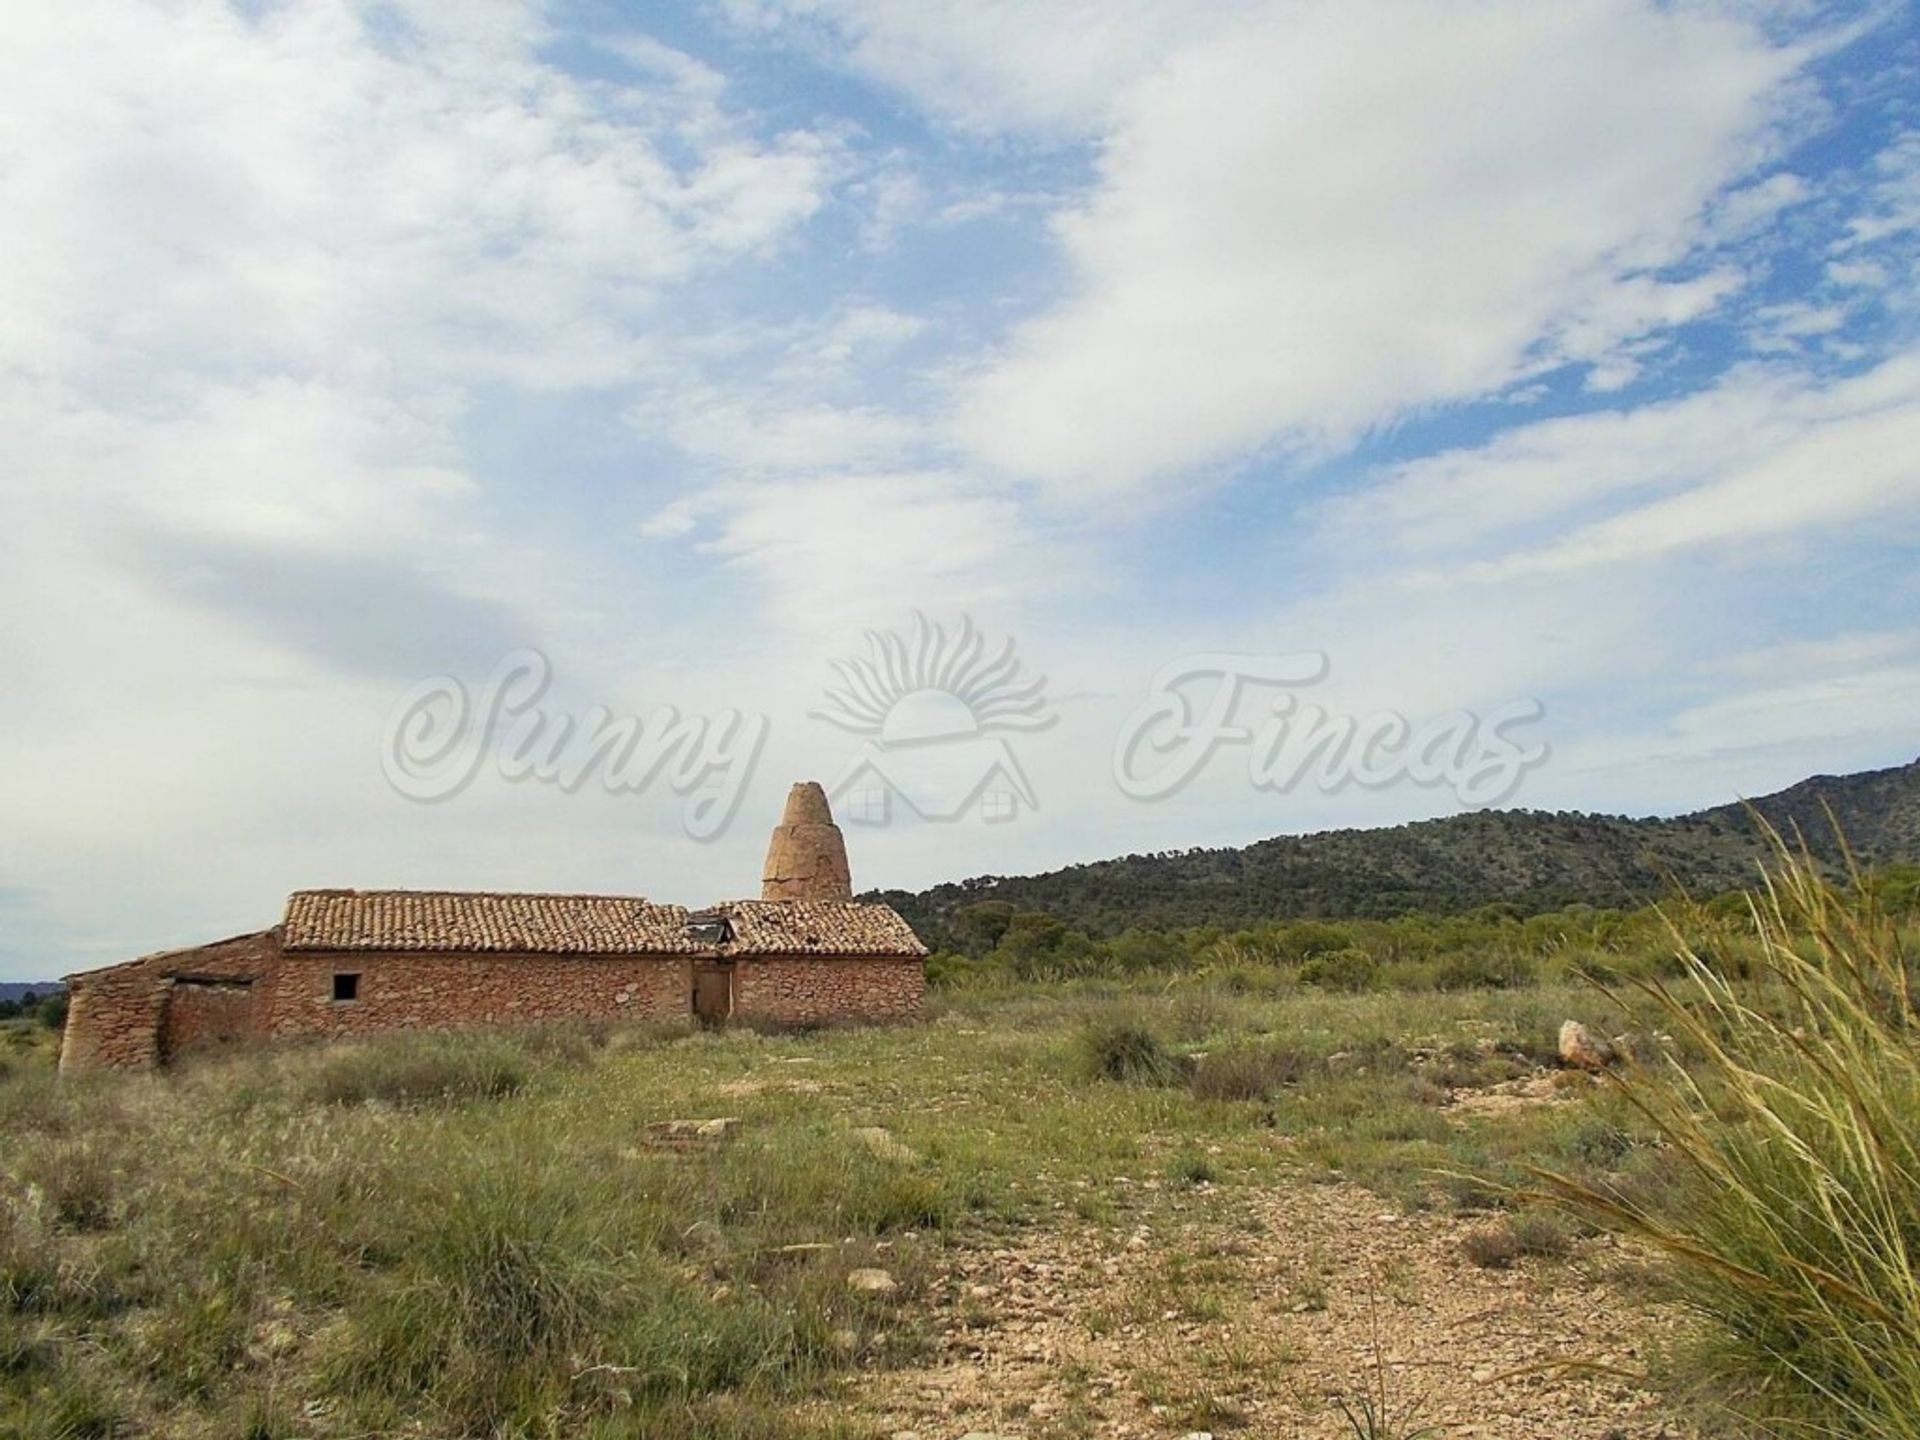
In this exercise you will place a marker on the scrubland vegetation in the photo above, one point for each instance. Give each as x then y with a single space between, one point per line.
478 1234
993 944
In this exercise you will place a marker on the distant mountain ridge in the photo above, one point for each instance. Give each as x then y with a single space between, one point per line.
17 989
1534 860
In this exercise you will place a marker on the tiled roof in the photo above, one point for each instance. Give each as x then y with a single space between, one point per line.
429 920
817 927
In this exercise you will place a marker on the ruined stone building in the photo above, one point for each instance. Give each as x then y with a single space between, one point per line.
355 962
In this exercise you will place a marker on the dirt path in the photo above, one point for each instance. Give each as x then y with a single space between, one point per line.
1251 1312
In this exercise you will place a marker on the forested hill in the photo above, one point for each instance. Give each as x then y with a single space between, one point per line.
1531 859
20 989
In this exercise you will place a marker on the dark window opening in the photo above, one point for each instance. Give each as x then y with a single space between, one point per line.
346 987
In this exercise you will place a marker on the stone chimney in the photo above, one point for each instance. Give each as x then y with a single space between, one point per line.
808 858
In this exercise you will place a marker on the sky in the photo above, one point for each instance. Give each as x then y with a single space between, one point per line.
473 446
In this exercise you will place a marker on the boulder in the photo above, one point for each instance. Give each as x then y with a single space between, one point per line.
1581 1049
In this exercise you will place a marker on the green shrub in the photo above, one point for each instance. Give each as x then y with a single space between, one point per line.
1792 1215
1126 1050
1347 969
1484 970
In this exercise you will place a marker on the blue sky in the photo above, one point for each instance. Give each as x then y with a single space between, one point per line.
1501 352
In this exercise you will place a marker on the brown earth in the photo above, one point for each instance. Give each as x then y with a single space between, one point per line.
1254 1313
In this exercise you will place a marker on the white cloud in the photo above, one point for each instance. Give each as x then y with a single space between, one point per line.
260 261
738 433
1893 207
841 552
1875 703
1749 208
1765 452
1785 327
1055 67
1836 474
1314 221
300 192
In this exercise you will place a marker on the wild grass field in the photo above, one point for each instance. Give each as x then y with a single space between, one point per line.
1144 1209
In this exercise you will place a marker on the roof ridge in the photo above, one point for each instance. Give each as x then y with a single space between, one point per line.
350 893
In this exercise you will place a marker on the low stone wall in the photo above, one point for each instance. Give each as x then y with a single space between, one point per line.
423 991
806 990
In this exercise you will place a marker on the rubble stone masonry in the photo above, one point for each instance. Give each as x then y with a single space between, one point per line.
148 1011
119 1016
806 989
413 991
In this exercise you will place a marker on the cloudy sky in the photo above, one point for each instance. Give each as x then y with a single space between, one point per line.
1499 353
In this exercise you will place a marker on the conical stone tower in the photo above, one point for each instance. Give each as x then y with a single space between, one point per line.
808 857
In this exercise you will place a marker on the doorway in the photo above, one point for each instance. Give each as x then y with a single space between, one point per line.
712 992
206 1013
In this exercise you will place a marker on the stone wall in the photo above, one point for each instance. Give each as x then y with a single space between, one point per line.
113 1019
417 990
805 989
118 1017
148 1011
208 1014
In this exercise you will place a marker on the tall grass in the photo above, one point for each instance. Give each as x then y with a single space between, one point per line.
1793 1224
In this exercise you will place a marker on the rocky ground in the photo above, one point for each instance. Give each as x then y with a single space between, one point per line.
1258 1314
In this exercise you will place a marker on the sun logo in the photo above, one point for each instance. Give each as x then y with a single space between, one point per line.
929 705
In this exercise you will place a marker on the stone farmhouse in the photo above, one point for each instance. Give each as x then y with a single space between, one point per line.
355 962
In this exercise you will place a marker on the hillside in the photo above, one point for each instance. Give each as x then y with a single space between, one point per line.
20 989
1533 860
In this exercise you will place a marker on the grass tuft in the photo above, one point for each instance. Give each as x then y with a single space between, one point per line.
1249 1072
1503 1245
1792 1224
1125 1049
421 1069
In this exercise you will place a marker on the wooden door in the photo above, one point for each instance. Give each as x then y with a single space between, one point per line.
712 993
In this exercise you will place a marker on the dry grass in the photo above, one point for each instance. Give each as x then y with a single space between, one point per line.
1793 1221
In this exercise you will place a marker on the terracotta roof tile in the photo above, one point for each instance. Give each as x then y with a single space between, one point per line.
817 927
426 920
